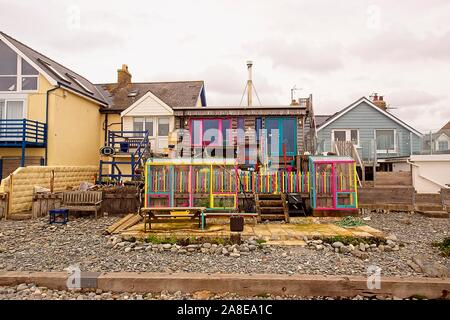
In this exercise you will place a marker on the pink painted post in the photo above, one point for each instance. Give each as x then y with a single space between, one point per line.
333 184
191 194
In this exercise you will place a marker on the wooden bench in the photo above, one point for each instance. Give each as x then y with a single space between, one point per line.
82 201
227 215
155 213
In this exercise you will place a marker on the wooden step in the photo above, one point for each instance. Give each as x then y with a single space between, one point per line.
270 203
268 196
429 207
272 217
435 214
271 209
427 197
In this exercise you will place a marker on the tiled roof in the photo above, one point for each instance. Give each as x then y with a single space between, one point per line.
174 94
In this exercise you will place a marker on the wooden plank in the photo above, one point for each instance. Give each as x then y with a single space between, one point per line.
135 219
118 223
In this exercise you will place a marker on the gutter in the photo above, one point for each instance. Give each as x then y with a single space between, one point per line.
46 119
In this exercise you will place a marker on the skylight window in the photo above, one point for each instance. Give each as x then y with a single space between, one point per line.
133 94
78 82
54 71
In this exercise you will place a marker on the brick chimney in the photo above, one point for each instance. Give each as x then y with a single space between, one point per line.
379 102
123 76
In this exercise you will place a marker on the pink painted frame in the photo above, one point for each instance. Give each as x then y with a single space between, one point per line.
220 142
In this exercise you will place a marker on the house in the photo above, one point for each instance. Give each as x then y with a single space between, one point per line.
370 134
438 142
50 115
142 114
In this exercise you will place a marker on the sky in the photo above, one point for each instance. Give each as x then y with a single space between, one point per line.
337 51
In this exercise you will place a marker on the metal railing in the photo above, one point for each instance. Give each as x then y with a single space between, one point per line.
15 132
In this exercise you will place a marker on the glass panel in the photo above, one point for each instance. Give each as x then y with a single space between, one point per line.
2 105
163 127
149 126
138 124
339 135
273 135
28 70
29 83
8 83
289 137
196 132
8 60
14 110
258 125
385 140
226 130
211 133
354 136
443 145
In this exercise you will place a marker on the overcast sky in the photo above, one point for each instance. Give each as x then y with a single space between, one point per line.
336 50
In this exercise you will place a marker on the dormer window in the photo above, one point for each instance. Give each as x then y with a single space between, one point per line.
16 74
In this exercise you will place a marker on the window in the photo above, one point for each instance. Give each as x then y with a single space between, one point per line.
281 136
16 74
385 139
346 135
210 131
443 145
12 109
163 127
143 124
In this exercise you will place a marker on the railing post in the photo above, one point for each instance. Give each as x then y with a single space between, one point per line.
22 159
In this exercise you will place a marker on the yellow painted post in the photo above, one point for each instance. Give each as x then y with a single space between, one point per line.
145 185
276 182
211 198
356 187
307 180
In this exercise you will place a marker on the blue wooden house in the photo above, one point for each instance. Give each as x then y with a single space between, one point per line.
369 133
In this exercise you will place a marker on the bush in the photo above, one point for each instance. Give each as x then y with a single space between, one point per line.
349 221
444 246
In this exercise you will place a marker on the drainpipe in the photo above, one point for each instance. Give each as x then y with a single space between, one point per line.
46 120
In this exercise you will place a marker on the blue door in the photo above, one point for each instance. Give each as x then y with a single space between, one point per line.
281 133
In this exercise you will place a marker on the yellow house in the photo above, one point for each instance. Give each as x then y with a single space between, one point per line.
142 111
49 115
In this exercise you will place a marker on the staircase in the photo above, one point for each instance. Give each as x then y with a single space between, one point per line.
430 205
296 205
271 207
128 148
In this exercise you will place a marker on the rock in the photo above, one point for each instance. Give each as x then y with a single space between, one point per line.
396 248
207 245
319 247
202 295
391 237
235 254
387 249
21 287
360 254
224 251
337 244
390 243
284 254
182 251
127 249
381 248
362 247
344 249
432 269
166 246
351 247
414 266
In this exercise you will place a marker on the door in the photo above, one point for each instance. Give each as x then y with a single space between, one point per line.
11 110
162 138
281 134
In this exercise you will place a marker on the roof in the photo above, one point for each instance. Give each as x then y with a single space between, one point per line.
321 119
174 94
339 114
445 128
58 73
227 110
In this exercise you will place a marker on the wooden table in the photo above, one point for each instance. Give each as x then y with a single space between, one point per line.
153 213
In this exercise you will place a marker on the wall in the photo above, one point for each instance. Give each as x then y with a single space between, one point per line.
73 131
25 179
430 172
367 119
401 166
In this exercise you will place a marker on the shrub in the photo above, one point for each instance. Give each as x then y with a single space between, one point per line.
444 246
350 221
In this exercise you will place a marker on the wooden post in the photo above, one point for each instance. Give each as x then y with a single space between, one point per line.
52 181
9 195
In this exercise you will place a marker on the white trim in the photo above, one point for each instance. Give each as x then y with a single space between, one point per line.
395 151
346 131
370 103
31 62
143 98
63 87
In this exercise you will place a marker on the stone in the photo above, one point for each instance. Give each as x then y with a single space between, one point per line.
414 266
391 237
337 244
319 247
381 248
224 251
344 249
202 295
127 249
396 248
362 247
207 245
284 254
360 254
351 247
182 251
390 243
166 246
21 287
234 254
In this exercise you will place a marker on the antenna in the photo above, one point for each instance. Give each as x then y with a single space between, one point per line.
294 88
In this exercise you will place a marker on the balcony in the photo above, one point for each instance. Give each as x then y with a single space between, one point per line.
22 133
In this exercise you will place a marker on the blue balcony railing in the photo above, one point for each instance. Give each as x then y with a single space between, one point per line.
22 133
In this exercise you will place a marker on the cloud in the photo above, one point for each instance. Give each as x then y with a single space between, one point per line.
302 55
400 45
412 98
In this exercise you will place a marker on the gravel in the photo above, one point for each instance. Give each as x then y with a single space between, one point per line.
34 245
32 292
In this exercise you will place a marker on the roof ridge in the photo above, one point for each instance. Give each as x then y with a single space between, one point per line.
151 82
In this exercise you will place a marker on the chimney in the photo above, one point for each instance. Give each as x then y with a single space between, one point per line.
123 76
294 102
379 102
249 84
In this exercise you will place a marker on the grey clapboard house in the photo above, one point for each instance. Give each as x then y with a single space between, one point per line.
365 127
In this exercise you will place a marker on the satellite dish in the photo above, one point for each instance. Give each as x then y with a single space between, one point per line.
107 151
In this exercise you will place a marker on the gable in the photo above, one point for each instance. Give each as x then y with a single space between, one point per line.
148 105
363 113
